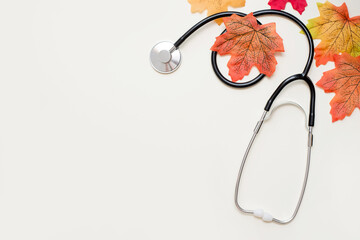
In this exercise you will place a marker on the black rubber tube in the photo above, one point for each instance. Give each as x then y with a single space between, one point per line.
303 76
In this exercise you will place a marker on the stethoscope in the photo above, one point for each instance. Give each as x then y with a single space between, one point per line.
165 57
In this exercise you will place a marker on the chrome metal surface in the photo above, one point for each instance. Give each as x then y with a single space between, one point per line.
236 196
288 103
256 131
165 58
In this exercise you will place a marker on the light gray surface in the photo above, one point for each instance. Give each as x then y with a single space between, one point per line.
94 144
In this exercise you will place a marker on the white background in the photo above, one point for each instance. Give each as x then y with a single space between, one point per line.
94 144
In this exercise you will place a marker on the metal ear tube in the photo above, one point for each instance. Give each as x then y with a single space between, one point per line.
260 213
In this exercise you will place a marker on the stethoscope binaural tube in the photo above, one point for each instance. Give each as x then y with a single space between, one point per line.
259 213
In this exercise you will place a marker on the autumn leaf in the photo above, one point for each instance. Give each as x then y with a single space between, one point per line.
249 44
344 81
338 32
214 6
298 5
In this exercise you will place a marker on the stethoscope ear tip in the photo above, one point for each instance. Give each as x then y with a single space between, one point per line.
165 57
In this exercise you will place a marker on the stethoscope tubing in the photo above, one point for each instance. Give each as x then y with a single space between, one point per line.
303 76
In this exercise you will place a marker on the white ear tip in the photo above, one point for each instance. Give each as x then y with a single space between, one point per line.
259 213
267 217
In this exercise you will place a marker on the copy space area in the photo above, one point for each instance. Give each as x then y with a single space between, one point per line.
95 144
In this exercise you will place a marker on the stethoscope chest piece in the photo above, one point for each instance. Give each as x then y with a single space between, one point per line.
165 58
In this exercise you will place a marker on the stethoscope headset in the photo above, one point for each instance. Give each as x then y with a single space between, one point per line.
165 57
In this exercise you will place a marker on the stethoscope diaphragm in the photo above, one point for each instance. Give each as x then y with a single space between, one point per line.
165 58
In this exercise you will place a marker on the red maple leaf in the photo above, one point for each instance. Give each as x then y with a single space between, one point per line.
298 5
344 81
249 44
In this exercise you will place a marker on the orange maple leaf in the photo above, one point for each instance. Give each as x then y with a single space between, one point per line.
338 32
249 44
214 6
344 81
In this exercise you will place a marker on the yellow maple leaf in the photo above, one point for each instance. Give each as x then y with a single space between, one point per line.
214 6
338 32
